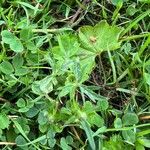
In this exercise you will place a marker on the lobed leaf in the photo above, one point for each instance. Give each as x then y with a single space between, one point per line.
101 37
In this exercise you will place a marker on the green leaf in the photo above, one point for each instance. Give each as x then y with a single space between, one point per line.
69 139
101 37
131 10
14 43
21 102
42 119
36 88
6 67
32 112
26 34
21 71
99 131
46 84
69 88
118 123
95 119
102 105
17 61
51 138
28 6
91 94
76 69
116 2
4 121
116 143
23 122
89 134
19 128
129 136
145 142
130 119
144 1
68 47
64 144
21 141
87 64
2 22
88 107
147 78
139 146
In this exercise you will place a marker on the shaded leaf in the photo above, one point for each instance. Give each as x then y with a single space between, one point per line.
21 102
17 61
6 67
147 78
118 123
64 144
14 43
21 141
130 119
145 142
129 135
95 119
51 138
4 121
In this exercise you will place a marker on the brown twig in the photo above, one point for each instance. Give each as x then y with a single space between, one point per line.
77 136
3 100
145 118
78 12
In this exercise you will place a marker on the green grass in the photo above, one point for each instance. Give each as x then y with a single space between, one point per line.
75 75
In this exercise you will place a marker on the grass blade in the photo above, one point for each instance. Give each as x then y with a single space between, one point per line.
89 134
135 21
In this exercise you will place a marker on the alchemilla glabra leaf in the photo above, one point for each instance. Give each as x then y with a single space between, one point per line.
101 37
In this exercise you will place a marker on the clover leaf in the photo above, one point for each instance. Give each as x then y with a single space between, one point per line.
14 43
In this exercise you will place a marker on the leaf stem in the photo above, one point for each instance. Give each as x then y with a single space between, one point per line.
127 128
135 21
7 143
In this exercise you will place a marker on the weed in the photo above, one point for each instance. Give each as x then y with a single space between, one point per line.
74 75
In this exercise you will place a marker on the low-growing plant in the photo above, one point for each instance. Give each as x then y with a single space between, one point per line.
67 89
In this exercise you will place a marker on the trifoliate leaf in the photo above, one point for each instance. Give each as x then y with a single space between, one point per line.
64 144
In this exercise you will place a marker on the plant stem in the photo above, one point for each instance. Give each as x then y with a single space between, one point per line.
127 128
50 30
133 37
